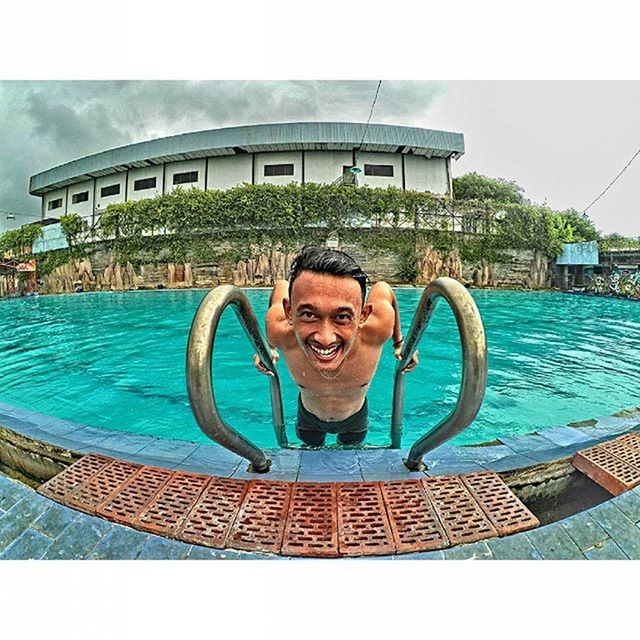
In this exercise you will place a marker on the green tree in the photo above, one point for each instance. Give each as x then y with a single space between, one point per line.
473 186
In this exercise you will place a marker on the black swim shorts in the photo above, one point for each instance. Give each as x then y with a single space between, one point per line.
312 431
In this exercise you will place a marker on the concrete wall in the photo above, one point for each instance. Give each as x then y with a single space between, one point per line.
182 167
325 166
426 174
106 181
226 172
282 157
420 174
393 159
84 209
141 174
50 197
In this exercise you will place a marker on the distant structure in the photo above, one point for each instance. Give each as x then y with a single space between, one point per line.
320 152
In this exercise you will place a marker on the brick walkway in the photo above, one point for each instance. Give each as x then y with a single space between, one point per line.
33 527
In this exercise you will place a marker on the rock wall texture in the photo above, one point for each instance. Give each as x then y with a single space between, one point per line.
101 272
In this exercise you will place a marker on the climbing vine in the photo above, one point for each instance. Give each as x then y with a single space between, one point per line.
212 226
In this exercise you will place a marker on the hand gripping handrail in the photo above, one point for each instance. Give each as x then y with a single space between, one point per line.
199 376
474 367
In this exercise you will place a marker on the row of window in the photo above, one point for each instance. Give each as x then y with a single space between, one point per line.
383 170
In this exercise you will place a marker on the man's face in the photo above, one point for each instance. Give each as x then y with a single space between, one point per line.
326 313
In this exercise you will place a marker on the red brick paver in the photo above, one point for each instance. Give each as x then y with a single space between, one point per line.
299 519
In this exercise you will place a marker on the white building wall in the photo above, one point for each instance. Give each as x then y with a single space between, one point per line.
226 172
182 167
50 197
437 176
325 166
84 209
426 174
394 159
141 174
282 157
105 181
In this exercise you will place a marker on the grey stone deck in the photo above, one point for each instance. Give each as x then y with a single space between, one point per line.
510 452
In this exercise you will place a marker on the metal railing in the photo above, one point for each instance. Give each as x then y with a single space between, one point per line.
201 388
200 379
474 367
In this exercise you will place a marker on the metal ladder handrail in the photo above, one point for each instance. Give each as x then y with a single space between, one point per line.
474 367
200 380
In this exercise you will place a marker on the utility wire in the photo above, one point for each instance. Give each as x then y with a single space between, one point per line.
366 126
635 155
20 213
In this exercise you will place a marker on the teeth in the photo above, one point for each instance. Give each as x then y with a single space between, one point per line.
325 352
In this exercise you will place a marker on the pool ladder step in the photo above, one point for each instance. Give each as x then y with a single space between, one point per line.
614 465
321 519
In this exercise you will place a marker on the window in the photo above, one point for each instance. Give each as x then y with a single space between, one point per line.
83 196
111 190
54 204
385 170
278 169
184 178
145 183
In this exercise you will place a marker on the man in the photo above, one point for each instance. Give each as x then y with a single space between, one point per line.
331 340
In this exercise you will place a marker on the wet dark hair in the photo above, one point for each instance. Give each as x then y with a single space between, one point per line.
328 261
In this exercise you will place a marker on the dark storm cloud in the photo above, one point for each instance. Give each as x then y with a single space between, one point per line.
44 124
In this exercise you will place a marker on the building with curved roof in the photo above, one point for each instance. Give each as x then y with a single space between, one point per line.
321 152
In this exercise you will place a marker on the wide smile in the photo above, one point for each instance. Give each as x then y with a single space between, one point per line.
325 354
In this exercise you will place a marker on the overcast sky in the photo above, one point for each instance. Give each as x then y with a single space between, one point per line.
563 142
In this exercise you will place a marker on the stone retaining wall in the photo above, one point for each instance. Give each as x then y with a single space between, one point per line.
100 271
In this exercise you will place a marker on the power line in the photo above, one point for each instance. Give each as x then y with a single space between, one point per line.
19 213
635 155
366 126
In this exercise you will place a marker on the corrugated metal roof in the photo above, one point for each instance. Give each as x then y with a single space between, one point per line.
261 137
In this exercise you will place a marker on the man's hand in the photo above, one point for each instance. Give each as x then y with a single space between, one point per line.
259 365
412 364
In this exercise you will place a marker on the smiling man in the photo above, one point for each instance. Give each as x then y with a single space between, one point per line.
331 337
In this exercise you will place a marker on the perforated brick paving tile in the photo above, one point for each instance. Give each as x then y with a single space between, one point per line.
209 521
135 495
622 450
363 525
606 469
631 440
165 513
259 525
73 476
414 523
507 514
100 486
463 519
311 529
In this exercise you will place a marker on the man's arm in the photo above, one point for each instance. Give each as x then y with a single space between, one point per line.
276 324
385 319
276 320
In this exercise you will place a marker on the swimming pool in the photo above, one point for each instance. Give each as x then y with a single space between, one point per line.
117 360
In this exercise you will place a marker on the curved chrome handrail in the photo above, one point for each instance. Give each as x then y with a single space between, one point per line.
474 367
200 381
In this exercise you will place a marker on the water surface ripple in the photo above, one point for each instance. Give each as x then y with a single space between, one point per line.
117 360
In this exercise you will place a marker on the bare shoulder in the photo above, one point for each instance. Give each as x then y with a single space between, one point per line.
379 324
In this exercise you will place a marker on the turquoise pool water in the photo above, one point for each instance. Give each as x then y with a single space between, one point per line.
117 360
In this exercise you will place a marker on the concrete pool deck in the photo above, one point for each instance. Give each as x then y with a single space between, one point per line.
32 526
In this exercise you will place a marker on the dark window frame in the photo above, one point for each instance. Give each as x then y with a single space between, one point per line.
54 204
110 190
275 170
379 170
145 183
81 196
186 177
